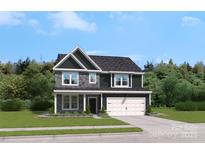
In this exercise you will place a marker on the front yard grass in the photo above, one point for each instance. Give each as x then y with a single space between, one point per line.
23 119
185 116
77 131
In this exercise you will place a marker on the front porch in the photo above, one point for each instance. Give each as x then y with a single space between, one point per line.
78 102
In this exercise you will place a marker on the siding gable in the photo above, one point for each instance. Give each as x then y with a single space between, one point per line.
70 63
84 60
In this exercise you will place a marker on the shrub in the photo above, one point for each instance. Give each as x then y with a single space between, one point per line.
201 106
41 104
88 109
11 104
186 106
103 110
149 109
51 110
26 104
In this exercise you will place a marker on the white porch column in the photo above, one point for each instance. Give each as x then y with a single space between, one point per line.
84 102
55 103
142 82
150 99
111 80
101 101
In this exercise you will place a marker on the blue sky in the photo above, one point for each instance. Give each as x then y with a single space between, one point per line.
152 36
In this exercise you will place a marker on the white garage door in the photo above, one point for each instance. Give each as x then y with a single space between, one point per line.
118 106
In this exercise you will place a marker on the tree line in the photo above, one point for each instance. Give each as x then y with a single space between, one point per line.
34 81
173 83
27 80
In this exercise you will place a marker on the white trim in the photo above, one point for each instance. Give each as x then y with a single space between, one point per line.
142 81
55 103
82 51
61 61
78 62
70 96
102 91
84 102
95 101
90 78
75 70
122 72
104 72
111 80
66 57
131 80
101 101
150 99
64 84
121 81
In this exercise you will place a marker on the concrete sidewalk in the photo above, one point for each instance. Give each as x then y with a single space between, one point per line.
63 128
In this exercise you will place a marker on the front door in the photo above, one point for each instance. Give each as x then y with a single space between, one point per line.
92 103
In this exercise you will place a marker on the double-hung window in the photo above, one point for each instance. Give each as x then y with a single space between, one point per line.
121 80
92 77
70 102
70 78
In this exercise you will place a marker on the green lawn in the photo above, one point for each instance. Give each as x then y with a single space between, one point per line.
77 131
30 119
185 116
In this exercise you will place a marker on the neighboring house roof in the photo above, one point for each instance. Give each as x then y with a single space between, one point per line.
111 63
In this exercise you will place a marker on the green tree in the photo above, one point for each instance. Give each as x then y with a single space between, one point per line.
198 69
12 86
148 67
169 89
184 90
38 84
22 65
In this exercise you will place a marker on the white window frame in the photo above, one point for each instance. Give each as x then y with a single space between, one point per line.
70 79
90 78
70 103
121 81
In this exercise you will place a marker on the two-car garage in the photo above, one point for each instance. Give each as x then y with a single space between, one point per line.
119 106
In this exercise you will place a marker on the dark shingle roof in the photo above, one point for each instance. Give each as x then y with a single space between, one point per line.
111 63
60 57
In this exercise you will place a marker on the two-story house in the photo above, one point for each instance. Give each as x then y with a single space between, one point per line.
113 82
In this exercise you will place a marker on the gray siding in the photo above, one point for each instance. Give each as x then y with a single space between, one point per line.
59 104
70 63
105 80
136 80
106 83
84 60
83 80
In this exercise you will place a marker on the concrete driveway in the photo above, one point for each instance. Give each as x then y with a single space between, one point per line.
163 130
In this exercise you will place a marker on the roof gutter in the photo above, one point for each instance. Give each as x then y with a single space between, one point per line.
102 91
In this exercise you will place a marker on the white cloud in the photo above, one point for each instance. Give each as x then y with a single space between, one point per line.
11 18
71 20
19 18
191 21
128 16
35 24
